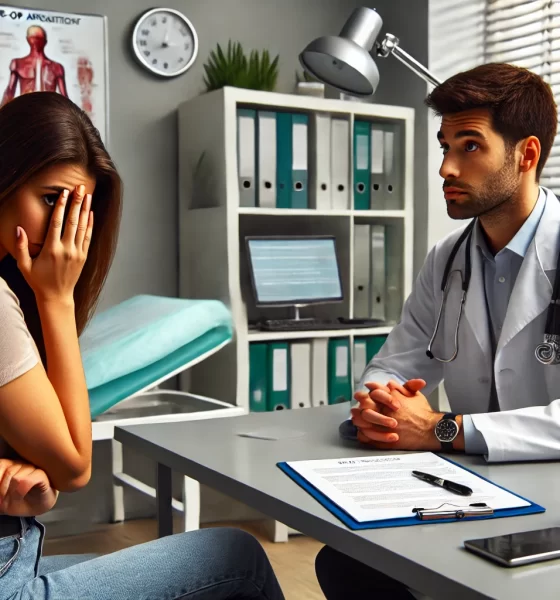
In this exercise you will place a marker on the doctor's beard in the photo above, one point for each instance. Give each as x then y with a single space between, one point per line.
492 199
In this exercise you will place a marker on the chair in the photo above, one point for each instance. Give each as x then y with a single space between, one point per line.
131 348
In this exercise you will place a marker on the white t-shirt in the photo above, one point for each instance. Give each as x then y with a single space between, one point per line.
18 352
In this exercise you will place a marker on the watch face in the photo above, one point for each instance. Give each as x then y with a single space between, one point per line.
446 430
165 42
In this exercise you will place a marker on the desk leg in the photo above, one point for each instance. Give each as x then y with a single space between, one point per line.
163 501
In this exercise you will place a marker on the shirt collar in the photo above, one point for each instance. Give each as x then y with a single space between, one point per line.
522 239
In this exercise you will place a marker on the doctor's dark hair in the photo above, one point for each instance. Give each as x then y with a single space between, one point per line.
40 130
521 103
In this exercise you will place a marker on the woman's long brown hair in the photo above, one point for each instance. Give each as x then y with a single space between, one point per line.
39 130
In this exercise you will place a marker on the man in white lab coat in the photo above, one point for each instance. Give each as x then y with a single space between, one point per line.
497 130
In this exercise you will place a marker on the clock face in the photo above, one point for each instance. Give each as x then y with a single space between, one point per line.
165 42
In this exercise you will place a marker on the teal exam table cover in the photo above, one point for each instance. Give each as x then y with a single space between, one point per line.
145 338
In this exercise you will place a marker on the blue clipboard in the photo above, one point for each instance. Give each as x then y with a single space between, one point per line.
406 521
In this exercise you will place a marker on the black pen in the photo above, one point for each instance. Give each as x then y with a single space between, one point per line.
451 486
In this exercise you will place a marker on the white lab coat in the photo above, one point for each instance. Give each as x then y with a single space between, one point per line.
528 424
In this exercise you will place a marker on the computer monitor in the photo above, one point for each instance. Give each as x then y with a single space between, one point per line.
294 270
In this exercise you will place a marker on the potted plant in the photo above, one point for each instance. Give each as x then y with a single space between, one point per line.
307 85
234 68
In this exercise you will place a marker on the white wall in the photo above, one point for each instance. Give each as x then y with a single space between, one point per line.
455 42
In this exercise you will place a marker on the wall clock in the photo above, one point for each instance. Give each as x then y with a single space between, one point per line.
165 42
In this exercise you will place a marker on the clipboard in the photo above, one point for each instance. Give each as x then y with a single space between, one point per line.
351 523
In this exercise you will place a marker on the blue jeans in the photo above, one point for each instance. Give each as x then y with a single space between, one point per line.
210 563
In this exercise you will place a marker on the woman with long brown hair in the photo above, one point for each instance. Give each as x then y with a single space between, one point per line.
55 175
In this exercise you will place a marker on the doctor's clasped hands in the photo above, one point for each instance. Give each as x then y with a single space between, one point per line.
399 417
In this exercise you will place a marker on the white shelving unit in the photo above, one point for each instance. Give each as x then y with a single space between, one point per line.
212 227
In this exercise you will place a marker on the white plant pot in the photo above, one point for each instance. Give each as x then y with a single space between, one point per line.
311 88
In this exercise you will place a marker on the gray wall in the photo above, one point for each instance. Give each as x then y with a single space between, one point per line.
143 143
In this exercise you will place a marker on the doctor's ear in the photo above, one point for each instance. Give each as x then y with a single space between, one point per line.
530 149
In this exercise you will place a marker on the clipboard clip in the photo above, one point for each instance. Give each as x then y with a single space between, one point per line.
452 511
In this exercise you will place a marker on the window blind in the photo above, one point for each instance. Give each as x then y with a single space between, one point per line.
527 34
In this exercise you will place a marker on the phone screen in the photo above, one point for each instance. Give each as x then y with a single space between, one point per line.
515 548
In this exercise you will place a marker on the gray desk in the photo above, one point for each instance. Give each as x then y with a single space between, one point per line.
429 558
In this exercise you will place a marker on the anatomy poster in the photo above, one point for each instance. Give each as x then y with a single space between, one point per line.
57 52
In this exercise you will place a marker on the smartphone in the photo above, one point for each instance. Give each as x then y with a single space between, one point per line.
519 548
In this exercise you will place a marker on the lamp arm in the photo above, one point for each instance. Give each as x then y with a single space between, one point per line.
390 45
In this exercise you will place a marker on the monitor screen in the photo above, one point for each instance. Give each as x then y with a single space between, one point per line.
294 270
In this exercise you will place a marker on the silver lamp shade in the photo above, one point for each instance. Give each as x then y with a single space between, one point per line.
345 62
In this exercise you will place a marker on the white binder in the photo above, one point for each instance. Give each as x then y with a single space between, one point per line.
246 156
378 162
320 161
340 164
319 372
266 159
300 384
360 359
362 272
378 282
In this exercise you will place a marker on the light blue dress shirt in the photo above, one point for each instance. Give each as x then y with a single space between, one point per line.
500 273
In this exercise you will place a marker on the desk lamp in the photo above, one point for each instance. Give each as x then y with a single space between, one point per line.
345 62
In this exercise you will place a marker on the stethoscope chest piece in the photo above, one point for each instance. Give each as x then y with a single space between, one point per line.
548 353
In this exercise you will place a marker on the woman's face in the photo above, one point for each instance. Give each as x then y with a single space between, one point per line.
31 205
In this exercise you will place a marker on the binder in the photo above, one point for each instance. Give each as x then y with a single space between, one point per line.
319 161
266 163
362 257
291 160
283 159
299 196
361 165
319 372
374 345
351 523
278 390
378 272
386 166
360 360
300 375
340 386
258 366
340 164
246 157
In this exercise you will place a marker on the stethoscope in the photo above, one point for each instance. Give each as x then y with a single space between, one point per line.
547 353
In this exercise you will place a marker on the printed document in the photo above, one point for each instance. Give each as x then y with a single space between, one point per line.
373 488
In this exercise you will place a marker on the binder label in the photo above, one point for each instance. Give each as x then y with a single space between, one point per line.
362 147
377 152
279 370
341 361
246 137
299 147
389 151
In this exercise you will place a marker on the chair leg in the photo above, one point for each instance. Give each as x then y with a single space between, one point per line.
191 504
118 488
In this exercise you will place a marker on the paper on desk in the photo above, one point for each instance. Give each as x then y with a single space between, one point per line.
382 487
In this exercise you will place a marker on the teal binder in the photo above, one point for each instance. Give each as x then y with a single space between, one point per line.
362 165
291 160
340 380
374 344
283 160
300 129
278 376
258 368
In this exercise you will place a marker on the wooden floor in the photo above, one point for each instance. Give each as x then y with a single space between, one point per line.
293 562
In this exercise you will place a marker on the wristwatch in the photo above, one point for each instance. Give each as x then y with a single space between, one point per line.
446 430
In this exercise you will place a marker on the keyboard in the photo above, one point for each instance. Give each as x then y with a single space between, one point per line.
316 324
